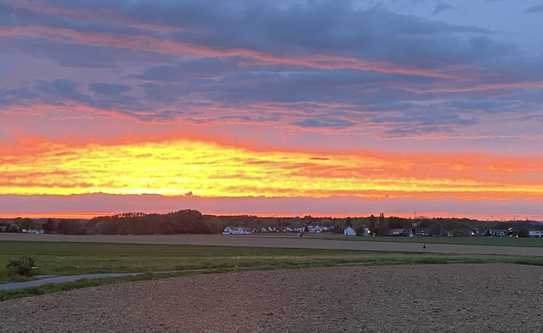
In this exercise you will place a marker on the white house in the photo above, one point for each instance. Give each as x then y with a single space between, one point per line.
235 231
314 229
535 233
349 232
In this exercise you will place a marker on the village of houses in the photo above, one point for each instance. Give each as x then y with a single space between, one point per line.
349 231
348 227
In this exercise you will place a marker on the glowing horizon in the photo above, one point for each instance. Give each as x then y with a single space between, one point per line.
296 107
213 170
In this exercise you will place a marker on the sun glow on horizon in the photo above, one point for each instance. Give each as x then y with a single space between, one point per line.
204 169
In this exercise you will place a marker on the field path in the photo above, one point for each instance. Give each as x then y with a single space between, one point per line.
60 279
283 242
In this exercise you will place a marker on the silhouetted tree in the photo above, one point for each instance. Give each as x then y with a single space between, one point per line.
382 226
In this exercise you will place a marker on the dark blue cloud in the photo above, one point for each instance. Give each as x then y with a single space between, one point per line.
155 84
60 90
81 55
206 68
162 73
163 93
324 123
109 88
295 28
535 9
442 7
10 97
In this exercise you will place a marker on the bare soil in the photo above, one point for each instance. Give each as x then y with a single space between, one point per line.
420 298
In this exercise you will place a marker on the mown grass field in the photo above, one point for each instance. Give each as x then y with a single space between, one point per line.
64 258
485 241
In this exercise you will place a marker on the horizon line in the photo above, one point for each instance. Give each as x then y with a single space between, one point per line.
425 215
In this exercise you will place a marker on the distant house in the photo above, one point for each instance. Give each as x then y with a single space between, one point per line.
497 232
535 233
236 231
405 232
33 231
461 232
268 229
349 232
423 232
314 229
298 229
9 227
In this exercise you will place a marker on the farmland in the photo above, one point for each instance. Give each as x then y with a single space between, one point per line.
164 260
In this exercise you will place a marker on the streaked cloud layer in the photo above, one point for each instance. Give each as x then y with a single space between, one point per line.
418 100
211 170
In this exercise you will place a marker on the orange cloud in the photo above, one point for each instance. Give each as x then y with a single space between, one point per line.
214 170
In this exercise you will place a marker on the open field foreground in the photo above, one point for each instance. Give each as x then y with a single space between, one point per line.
289 242
64 258
420 298
72 265
484 241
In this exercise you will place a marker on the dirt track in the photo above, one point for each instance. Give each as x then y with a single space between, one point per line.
280 242
421 298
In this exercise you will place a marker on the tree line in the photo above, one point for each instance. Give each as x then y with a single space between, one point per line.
181 222
194 222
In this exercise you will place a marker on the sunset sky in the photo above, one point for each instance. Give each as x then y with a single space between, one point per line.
285 107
